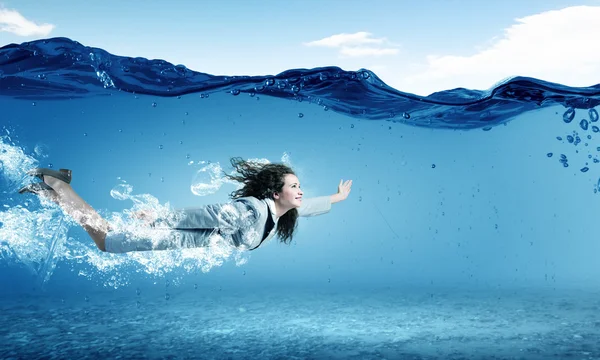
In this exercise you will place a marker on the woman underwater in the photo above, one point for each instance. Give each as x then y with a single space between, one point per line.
269 203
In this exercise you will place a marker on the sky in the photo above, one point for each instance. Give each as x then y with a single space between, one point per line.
416 47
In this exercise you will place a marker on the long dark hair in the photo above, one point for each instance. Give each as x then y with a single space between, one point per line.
261 181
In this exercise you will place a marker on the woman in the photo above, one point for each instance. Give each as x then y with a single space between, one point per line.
269 203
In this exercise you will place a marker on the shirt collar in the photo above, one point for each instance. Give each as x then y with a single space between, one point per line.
271 204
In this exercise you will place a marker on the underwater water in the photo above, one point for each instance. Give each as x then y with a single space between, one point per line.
470 231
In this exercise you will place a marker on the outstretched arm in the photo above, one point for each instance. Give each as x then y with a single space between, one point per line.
321 205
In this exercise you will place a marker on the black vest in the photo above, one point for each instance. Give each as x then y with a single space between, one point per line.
268 227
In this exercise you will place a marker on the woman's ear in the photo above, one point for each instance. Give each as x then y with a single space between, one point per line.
275 195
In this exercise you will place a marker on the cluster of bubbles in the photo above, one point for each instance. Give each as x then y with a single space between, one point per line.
574 138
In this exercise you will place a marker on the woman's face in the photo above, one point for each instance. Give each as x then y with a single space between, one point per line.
291 194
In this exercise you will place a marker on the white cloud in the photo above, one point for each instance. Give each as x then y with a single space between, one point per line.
367 51
13 22
557 46
359 44
339 40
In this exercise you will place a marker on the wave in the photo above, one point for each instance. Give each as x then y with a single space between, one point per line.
60 68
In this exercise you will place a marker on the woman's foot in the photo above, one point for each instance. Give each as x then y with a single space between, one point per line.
54 179
41 189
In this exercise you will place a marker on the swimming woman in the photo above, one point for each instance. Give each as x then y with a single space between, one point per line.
269 203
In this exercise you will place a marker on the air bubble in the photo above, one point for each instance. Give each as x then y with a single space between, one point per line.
549 154
154 104
583 124
300 115
269 82
235 92
295 89
584 169
569 115
406 115
593 114
570 139
160 147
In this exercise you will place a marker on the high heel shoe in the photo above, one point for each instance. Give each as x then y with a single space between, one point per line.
35 188
61 174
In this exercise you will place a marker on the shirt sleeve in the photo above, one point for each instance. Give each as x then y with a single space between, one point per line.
315 206
228 217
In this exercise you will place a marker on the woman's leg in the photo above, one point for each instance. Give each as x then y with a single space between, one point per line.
97 227
79 210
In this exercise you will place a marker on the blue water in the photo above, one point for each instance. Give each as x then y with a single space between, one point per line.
454 243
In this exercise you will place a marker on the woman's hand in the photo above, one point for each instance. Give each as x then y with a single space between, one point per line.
343 191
